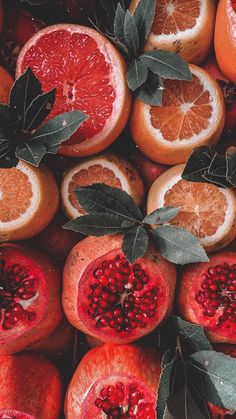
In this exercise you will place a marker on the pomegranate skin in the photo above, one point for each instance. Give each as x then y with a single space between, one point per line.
220 413
79 265
110 363
31 385
218 326
45 304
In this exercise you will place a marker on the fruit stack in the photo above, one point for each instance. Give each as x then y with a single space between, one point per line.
117 209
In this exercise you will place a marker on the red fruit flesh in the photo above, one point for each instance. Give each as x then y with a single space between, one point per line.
207 296
112 300
29 297
114 381
19 26
220 413
30 388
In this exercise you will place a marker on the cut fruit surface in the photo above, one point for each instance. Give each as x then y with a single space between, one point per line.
114 381
30 306
107 297
192 114
207 296
89 75
182 26
110 169
28 201
225 38
31 388
206 210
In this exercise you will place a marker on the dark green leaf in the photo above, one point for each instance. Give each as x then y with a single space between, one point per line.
135 243
144 15
193 336
197 164
7 155
60 128
131 35
99 198
216 180
136 74
166 383
96 225
119 23
39 109
32 152
4 117
183 406
231 165
217 166
166 64
161 215
25 89
151 91
178 245
216 377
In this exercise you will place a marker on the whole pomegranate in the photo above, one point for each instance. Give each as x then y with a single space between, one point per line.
114 381
107 297
30 306
30 388
148 169
207 296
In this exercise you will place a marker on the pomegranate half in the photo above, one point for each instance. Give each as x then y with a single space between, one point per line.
30 307
30 388
114 381
107 297
207 296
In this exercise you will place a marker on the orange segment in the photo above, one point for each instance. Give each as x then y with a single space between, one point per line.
175 15
89 176
185 111
203 207
15 194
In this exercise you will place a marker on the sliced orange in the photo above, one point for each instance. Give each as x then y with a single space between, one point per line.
182 26
192 114
225 38
6 82
28 201
207 211
107 168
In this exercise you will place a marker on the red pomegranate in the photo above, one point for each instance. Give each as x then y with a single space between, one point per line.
59 342
30 306
114 381
148 169
107 297
30 388
207 296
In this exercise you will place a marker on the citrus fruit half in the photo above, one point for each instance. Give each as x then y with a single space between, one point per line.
108 168
225 38
28 201
182 26
207 211
192 114
89 75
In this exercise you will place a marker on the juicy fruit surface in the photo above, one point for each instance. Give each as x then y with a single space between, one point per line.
185 112
208 296
122 382
81 73
13 414
175 16
16 194
203 207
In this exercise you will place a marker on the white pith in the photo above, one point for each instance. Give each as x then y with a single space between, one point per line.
229 215
187 33
116 74
72 211
34 202
232 18
205 133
